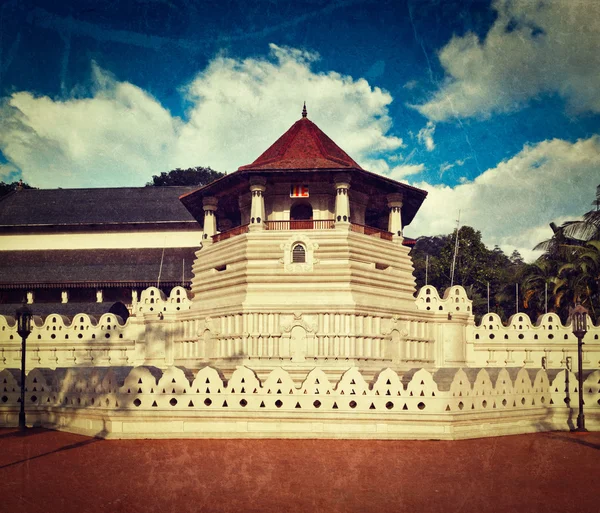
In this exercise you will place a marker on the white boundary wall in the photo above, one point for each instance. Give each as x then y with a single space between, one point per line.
145 402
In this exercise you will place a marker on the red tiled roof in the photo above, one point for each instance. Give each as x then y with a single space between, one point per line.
303 146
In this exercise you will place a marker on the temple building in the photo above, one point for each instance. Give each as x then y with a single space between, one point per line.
72 250
276 301
302 257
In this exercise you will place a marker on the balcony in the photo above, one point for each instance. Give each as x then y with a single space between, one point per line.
369 230
319 224
309 224
238 230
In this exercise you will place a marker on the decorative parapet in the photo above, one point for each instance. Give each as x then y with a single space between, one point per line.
84 340
546 343
149 402
154 300
58 341
455 301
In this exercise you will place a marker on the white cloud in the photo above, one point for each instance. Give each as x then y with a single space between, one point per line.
513 203
445 167
122 136
8 173
404 170
242 107
533 48
425 136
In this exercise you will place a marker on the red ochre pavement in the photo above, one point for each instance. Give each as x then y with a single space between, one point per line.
49 471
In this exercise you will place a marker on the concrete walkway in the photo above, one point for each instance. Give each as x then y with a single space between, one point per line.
48 471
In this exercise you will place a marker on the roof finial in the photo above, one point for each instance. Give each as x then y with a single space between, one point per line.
304 110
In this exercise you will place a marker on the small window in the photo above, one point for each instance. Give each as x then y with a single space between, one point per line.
298 254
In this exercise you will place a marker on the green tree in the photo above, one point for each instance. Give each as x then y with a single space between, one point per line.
570 264
476 267
537 287
578 280
7 188
192 176
589 228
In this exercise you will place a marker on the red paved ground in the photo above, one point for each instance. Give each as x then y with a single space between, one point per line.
47 471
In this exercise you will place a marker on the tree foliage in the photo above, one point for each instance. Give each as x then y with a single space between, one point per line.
476 266
568 272
7 188
569 269
192 176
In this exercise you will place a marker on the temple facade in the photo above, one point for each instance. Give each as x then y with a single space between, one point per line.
300 319
66 251
303 261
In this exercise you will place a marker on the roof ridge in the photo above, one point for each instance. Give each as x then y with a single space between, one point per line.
304 145
324 150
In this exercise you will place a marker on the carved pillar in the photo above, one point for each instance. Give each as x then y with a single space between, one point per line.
342 200
257 207
395 219
209 204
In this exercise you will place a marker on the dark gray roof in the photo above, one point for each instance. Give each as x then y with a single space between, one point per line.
75 207
138 267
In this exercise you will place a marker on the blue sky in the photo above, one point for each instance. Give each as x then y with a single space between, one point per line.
493 107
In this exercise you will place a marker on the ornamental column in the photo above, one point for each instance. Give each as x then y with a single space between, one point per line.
257 207
395 220
342 200
209 204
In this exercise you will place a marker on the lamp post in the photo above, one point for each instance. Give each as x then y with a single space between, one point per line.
24 317
579 320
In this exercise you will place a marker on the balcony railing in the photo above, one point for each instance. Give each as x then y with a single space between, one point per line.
309 224
238 230
321 224
370 230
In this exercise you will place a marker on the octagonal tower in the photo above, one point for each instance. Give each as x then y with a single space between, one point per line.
303 261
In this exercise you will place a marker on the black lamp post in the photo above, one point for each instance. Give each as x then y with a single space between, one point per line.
579 319
24 319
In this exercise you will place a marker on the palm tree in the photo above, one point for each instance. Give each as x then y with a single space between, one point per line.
571 263
582 277
538 281
589 228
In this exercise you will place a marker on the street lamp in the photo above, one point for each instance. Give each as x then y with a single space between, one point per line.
579 320
24 317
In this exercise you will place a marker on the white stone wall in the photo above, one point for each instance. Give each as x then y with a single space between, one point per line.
125 402
166 330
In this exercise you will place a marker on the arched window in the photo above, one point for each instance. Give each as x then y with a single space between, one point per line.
301 215
301 212
298 254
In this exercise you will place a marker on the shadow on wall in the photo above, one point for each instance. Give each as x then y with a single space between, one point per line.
55 397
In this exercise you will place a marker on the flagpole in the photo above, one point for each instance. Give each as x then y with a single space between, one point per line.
517 296
426 268
488 295
546 300
455 252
